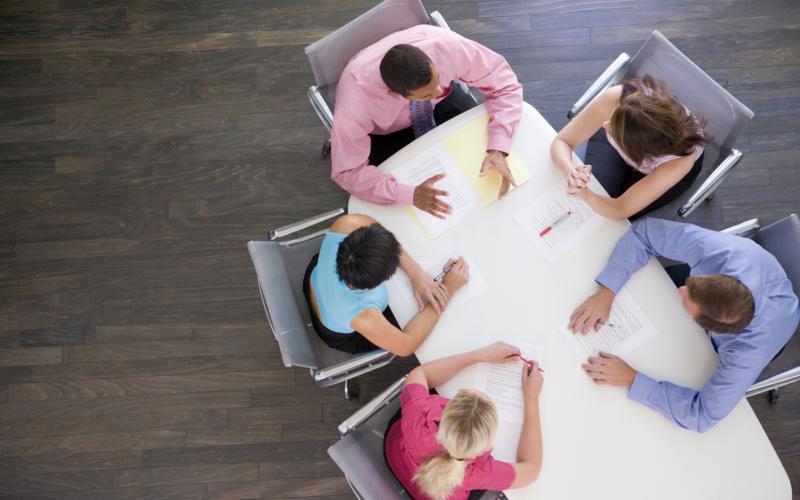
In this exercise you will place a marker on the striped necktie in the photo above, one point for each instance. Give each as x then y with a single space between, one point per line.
421 117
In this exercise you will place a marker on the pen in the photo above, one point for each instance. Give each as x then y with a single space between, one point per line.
555 223
445 271
528 361
608 323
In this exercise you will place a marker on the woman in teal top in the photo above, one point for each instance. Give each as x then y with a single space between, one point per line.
345 287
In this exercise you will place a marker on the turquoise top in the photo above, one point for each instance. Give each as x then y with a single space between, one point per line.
337 303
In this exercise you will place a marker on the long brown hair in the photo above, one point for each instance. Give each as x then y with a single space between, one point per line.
653 122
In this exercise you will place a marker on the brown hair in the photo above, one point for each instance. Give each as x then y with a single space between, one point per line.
655 124
726 305
405 68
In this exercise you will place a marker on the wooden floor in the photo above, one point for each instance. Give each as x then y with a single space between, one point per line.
143 142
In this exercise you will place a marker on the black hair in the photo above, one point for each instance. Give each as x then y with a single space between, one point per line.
405 68
367 257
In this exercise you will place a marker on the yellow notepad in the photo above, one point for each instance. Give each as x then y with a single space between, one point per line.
467 146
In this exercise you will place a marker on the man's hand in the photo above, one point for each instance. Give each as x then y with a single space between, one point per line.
426 198
496 161
426 290
593 312
607 369
497 352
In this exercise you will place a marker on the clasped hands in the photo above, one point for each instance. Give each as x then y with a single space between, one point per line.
430 199
578 180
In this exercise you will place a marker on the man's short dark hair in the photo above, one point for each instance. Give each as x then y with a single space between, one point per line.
405 69
726 304
367 257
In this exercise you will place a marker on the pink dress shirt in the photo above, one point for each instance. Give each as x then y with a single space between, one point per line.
412 439
364 106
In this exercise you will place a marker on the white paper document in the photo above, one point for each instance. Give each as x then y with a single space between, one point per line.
627 328
461 197
502 382
400 285
549 208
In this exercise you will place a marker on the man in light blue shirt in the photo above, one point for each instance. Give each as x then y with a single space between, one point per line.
737 291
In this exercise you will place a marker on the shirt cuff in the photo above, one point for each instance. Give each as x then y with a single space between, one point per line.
641 387
611 278
405 194
500 143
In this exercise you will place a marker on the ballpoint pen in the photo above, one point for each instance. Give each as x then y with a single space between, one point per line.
608 323
555 223
444 272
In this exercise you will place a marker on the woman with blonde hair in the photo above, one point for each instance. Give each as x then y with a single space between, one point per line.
645 148
440 449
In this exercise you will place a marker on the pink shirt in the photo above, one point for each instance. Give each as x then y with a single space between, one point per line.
364 106
413 438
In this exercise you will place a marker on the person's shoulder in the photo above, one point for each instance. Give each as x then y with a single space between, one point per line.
348 223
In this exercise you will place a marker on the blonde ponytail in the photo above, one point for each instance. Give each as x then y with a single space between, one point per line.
466 430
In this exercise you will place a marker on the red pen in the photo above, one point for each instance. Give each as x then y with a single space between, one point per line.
528 361
555 223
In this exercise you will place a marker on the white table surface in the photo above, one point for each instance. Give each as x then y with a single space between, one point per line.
597 443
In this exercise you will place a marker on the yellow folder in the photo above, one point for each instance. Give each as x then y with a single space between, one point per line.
468 145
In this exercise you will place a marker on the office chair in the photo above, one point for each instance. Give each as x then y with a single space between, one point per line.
329 55
725 115
359 451
781 239
280 266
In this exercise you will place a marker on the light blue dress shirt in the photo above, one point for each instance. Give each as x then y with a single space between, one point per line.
338 304
742 356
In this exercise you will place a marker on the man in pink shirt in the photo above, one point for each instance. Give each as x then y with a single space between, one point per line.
406 75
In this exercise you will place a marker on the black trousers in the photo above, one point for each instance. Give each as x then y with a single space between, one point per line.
616 176
384 146
352 343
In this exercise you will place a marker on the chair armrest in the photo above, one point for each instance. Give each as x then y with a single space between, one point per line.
369 409
321 107
303 224
711 183
608 78
351 364
774 382
743 228
438 20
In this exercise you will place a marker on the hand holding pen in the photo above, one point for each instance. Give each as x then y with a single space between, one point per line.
454 275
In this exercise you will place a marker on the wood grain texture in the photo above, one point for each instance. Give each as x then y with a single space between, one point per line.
144 142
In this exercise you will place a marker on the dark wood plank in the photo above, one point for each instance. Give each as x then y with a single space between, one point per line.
158 476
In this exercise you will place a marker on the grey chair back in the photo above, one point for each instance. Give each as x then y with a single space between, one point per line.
725 115
782 239
280 267
359 453
329 55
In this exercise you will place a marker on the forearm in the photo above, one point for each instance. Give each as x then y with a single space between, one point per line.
529 449
408 264
610 208
561 153
439 371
